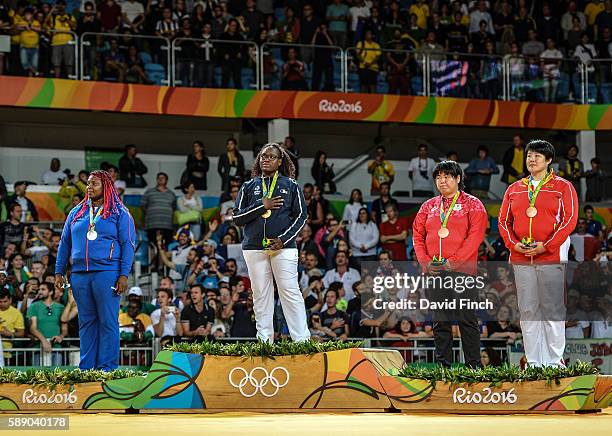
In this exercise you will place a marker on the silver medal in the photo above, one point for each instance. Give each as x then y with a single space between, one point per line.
92 235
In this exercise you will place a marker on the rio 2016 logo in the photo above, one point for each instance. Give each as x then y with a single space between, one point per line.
340 106
461 396
51 397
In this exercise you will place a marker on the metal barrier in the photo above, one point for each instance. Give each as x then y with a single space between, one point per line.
153 52
22 353
598 75
325 60
189 63
533 78
389 79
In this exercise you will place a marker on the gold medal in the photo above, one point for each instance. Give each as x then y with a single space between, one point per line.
531 211
443 232
266 214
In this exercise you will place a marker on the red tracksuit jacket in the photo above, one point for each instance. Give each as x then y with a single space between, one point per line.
467 225
557 205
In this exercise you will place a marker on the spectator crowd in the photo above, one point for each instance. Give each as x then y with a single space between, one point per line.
545 45
202 291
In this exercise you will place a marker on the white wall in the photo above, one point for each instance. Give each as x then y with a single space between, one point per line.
31 163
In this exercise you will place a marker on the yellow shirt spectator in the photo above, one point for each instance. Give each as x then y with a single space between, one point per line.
29 37
592 10
15 18
11 319
517 163
422 12
59 23
368 58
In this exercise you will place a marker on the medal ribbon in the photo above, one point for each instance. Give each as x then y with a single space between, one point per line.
444 217
533 193
93 220
267 192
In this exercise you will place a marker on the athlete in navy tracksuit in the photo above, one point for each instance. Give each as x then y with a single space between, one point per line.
272 209
99 237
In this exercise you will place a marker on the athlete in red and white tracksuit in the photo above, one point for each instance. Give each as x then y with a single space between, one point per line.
540 280
467 225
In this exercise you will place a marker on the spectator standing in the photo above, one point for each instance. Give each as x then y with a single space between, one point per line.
381 169
479 173
353 207
12 230
603 20
393 234
322 173
231 164
380 204
342 273
571 168
363 236
514 161
316 217
11 321
338 17
61 24
420 171
110 14
197 167
293 152
231 55
327 239
29 37
368 54
566 19
399 64
132 14
551 62
478 15
595 182
131 168
28 210
44 316
309 24
54 175
533 46
159 204
323 64
189 209
293 73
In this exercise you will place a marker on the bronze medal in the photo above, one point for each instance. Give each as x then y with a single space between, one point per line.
531 211
266 214
443 232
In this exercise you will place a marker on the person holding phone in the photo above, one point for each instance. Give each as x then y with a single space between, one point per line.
537 216
99 237
272 210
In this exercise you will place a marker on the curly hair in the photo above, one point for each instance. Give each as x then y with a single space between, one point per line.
286 167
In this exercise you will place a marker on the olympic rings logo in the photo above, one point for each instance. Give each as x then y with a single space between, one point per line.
258 379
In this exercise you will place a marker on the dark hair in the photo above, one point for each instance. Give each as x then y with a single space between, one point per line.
573 146
167 291
313 279
398 326
367 214
186 186
425 146
494 357
360 194
308 185
4 293
128 146
234 281
161 173
13 206
587 207
388 184
355 285
169 278
335 291
483 148
381 147
286 167
200 143
450 168
542 147
196 285
387 252
596 160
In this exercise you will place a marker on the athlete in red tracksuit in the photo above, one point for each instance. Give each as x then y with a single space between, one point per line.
540 271
466 226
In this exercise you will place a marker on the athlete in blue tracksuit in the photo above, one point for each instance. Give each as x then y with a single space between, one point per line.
272 210
99 237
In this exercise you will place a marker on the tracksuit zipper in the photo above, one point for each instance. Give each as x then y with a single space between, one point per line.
110 256
87 253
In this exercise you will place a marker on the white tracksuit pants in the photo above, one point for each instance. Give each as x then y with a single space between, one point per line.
280 266
541 301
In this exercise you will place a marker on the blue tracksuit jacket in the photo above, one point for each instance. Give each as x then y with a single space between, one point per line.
285 223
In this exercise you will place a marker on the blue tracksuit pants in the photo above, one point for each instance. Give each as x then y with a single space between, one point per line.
98 307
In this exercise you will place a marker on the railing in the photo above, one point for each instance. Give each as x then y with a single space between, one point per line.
152 51
407 81
23 353
318 60
191 54
523 78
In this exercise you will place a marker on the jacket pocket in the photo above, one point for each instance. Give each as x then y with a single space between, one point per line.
112 247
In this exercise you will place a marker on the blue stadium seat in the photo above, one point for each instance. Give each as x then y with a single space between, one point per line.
145 57
248 78
156 73
563 87
606 93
